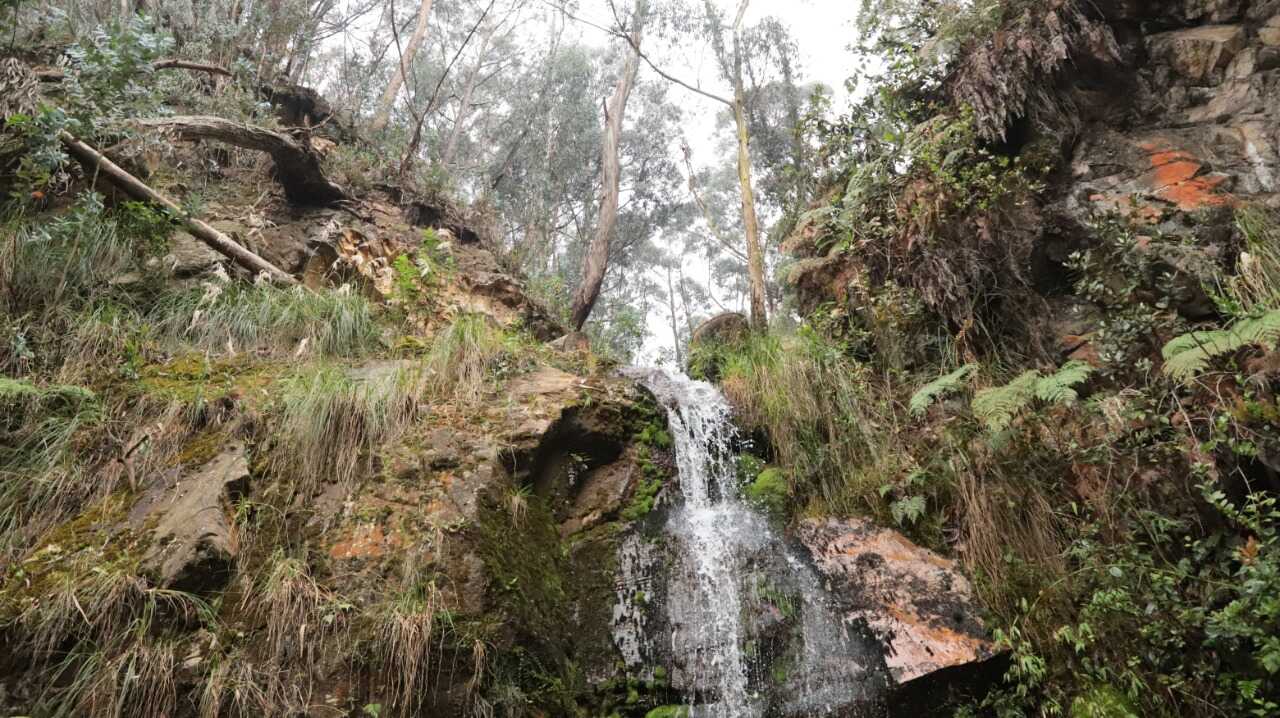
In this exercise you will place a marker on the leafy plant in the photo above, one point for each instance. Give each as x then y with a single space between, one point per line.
1189 355
940 387
998 406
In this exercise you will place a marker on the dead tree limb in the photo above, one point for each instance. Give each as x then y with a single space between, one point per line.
134 187
297 166
174 63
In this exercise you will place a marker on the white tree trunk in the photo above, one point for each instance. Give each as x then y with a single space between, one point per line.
596 263
388 100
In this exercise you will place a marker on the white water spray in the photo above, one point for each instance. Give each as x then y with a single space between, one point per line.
714 602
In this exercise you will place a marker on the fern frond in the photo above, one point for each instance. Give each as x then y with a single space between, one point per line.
1189 355
1263 330
1058 388
996 407
938 388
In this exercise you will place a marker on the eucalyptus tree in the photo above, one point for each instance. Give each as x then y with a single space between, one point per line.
404 60
596 261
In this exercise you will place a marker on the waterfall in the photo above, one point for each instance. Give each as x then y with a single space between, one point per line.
750 629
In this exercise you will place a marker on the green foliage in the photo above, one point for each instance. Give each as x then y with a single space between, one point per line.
1189 355
643 499
939 388
769 492
998 406
668 712
1123 276
1103 701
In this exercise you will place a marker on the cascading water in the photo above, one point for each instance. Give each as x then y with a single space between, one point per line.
749 628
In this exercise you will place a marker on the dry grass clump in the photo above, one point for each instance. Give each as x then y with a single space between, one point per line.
464 356
98 633
409 628
264 317
331 421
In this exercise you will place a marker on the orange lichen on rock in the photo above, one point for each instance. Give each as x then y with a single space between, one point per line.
368 541
1175 178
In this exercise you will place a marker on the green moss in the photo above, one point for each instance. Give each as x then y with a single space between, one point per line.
668 712
202 448
193 377
769 492
642 503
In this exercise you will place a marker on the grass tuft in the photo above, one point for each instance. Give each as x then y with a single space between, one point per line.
464 355
331 422
265 318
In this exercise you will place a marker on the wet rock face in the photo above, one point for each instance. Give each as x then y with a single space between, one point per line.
915 602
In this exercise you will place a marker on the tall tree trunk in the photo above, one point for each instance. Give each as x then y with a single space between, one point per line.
755 249
675 324
388 100
596 262
464 102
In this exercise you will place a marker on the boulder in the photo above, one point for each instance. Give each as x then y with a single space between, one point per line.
189 256
195 542
917 603
1199 54
724 328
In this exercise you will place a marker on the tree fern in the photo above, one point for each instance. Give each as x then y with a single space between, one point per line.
1190 354
940 387
997 407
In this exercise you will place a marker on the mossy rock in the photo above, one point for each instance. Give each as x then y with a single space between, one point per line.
769 492
668 712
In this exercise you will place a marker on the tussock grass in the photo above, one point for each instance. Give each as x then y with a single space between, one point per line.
268 318
1256 288
464 356
140 682
822 413
331 422
302 618
62 450
405 646
42 479
59 281
240 686
106 605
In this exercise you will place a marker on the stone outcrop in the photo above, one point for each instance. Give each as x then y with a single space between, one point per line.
1164 115
727 327
917 603
189 514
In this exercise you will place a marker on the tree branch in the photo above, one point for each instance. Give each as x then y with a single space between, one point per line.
297 166
134 187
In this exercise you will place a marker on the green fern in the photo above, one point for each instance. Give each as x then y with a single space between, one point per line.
1057 388
1189 355
940 387
998 406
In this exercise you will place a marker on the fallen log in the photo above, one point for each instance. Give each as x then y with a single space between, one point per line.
134 187
297 166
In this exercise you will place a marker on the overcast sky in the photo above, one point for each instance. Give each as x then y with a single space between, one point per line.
822 29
